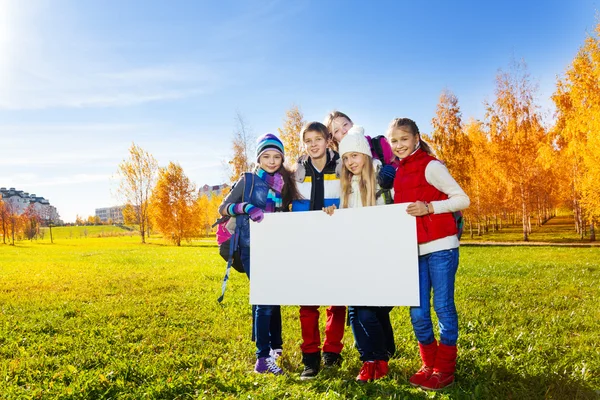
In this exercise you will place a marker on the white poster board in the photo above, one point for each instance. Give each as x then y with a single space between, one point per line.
364 256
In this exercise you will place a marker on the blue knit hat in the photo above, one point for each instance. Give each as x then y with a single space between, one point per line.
267 142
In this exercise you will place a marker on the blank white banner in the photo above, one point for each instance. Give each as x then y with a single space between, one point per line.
363 256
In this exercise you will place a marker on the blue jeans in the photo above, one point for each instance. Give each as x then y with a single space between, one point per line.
266 319
437 271
373 332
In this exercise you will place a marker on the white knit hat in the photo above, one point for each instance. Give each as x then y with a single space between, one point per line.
355 141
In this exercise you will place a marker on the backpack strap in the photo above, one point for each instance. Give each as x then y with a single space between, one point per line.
235 238
232 246
248 186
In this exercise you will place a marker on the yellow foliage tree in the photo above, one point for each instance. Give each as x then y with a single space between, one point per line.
516 131
577 100
4 219
448 139
290 135
204 221
138 174
174 207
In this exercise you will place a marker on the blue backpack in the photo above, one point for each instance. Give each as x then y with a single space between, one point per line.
229 246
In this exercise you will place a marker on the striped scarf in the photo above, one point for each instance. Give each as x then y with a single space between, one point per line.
275 182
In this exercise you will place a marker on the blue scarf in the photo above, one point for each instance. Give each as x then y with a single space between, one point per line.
275 182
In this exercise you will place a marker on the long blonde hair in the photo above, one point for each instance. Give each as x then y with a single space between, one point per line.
367 183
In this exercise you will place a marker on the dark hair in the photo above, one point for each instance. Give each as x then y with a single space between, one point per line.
289 192
315 127
409 126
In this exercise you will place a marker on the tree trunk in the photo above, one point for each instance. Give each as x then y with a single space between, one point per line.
592 231
525 214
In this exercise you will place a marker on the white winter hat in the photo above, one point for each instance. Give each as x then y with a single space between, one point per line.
355 141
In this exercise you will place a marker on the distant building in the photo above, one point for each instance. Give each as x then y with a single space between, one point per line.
113 213
210 191
20 200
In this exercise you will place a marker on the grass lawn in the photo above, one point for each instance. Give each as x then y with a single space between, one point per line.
83 232
559 229
110 318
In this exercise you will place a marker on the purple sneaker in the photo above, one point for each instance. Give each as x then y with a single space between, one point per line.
276 353
267 365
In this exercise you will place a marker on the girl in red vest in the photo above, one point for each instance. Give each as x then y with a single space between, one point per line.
425 183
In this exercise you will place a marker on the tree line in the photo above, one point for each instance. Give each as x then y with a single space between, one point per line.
517 169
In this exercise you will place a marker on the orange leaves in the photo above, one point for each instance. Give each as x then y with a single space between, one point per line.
290 135
173 203
577 101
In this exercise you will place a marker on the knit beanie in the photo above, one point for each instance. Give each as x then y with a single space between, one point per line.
267 142
355 141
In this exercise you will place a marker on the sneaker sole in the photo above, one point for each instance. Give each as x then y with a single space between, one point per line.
307 378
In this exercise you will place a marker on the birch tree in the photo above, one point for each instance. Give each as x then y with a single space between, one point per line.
138 175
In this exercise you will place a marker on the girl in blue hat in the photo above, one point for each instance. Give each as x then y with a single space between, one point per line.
273 190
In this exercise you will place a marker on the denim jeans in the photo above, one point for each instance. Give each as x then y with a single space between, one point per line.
437 271
373 332
266 319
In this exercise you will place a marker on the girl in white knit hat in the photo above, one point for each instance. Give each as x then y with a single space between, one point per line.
339 124
371 325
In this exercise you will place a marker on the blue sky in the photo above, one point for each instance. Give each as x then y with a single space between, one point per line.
81 80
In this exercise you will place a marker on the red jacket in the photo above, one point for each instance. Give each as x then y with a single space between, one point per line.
410 185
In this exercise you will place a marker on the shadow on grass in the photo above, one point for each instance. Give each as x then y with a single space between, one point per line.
495 381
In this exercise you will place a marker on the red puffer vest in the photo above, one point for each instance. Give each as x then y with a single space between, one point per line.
410 185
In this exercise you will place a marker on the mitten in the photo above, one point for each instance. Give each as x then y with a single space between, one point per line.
387 173
256 214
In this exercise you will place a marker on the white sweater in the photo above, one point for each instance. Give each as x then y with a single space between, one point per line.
439 177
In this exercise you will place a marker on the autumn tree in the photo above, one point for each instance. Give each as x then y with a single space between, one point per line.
4 219
30 222
203 207
174 205
79 220
577 100
448 139
516 130
138 174
242 146
290 134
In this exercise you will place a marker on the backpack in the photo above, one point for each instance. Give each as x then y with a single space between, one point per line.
381 149
460 222
228 241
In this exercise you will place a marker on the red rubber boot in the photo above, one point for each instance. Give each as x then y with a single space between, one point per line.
428 352
443 371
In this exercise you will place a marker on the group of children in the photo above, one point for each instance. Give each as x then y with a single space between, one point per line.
343 168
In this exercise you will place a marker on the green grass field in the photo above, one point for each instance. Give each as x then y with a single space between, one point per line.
110 318
559 229
82 232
